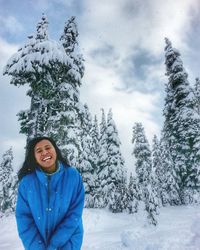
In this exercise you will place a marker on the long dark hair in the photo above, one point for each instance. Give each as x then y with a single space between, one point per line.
30 163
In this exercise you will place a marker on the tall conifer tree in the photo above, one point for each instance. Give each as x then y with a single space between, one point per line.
53 72
181 126
86 158
197 94
8 183
115 172
95 149
143 168
67 128
134 195
38 63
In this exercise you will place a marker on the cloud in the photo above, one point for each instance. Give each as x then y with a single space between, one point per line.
141 71
128 23
99 91
105 55
6 50
128 37
10 25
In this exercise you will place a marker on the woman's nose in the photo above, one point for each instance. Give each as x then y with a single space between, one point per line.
44 152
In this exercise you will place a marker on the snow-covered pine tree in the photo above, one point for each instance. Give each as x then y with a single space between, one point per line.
38 63
151 201
13 192
102 161
157 168
69 36
156 152
67 122
133 195
167 178
181 129
197 95
53 73
142 154
86 161
8 183
42 27
95 193
95 143
118 198
143 169
114 171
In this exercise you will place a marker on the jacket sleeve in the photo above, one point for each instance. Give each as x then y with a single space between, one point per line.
71 221
27 228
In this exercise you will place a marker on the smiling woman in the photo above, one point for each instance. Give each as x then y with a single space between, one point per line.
50 199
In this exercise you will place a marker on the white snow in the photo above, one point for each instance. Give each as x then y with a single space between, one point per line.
178 229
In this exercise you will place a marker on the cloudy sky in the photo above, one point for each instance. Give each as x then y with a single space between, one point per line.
122 42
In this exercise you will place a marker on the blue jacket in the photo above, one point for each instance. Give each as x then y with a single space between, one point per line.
49 210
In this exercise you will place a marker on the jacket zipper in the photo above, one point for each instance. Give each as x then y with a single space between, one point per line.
48 201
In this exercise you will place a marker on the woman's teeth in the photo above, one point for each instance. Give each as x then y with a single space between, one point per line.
46 158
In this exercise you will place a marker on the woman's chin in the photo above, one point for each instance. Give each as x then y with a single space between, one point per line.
48 168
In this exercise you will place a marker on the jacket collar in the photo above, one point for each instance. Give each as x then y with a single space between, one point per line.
54 177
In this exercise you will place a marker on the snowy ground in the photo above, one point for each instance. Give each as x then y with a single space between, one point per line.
178 229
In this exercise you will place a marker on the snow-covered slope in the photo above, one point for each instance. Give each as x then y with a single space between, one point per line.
178 229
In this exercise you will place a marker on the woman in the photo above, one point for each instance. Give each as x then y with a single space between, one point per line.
50 199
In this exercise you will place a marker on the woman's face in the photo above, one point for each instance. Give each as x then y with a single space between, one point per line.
45 155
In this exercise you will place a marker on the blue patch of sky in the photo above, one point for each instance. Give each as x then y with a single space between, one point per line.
29 13
193 42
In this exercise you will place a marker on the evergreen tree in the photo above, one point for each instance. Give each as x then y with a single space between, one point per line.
42 27
156 163
151 202
156 153
102 161
142 154
197 95
133 195
38 63
95 149
54 72
169 190
8 182
95 143
114 172
86 161
13 192
164 174
69 108
69 36
118 199
181 129
143 168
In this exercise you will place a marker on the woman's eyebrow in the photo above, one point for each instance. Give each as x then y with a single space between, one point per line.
37 149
